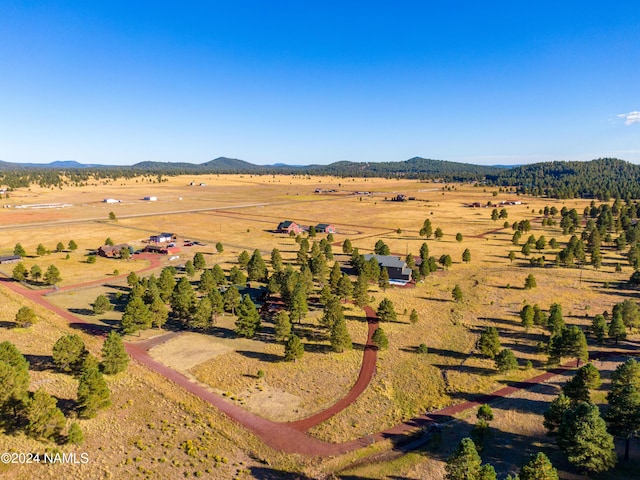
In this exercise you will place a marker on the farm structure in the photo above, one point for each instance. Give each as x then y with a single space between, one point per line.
288 226
112 251
10 259
162 250
397 268
150 199
163 238
325 228
111 200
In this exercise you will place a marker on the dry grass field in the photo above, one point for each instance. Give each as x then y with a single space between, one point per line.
241 211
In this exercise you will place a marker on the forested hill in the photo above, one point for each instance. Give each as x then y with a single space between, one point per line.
603 178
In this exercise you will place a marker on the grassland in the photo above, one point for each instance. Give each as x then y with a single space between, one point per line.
241 212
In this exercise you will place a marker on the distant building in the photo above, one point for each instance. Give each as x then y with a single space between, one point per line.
10 259
112 251
161 250
325 228
163 238
288 226
150 199
397 268
111 200
399 198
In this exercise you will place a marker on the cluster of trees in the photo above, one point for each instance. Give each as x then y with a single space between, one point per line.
50 277
465 464
41 250
490 346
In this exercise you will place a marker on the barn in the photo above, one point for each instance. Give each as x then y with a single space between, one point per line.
288 226
325 228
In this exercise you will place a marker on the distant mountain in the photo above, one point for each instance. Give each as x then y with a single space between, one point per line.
229 164
164 166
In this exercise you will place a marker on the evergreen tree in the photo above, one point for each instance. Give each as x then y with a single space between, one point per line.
276 260
334 277
248 322
347 248
19 250
299 306
52 275
439 234
35 272
189 269
413 316
383 281
361 291
44 418
73 245
599 328
381 248
386 311
345 287
293 349
202 315
380 339
530 282
256 267
526 314
445 261
199 262
14 377
340 338
207 282
219 247
231 299
555 323
243 259
136 316
553 416
427 229
538 467
583 436
539 317
617 330
75 435
485 413
108 242
466 255
464 463
218 275
183 299
101 305
69 353
132 279
457 294
487 472
115 359
282 326
236 277
332 312
25 317
93 393
506 360
489 343
20 272
159 313
512 256
458 237
623 415
217 303
166 284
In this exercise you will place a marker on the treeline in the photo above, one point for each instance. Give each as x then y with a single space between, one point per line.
604 179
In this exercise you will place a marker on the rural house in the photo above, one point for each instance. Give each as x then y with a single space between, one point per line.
161 250
325 228
112 251
397 268
288 226
163 238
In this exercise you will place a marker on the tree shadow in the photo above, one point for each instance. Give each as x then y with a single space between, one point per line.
40 363
483 371
446 353
317 348
91 328
81 311
266 473
5 324
262 356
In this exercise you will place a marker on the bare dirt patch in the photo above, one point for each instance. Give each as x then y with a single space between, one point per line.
188 350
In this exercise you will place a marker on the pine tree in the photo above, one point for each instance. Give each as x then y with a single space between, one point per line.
231 299
248 322
69 353
553 416
464 463
282 326
555 322
73 245
217 303
293 349
383 281
75 435
243 259
19 250
617 330
183 299
25 317
136 316
438 234
526 314
93 393
115 359
236 276
166 284
413 316
299 306
623 415
380 339
340 338
334 277
256 267
101 305
539 317
489 343
530 282
219 247
345 287
386 311
218 275
52 275
207 281
14 376
599 328
538 467
189 269
427 229
159 313
347 249
108 242
202 314
458 237
583 436
20 272
456 293
199 262
506 360
44 418
276 260
361 291
466 255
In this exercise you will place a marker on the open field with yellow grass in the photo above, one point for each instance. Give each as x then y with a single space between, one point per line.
242 212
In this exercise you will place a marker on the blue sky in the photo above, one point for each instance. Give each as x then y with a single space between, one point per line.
298 82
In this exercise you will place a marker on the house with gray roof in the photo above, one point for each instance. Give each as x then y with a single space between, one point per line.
397 268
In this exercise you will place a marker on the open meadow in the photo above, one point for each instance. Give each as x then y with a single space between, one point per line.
144 431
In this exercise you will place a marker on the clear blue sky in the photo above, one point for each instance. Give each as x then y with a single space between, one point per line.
118 82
